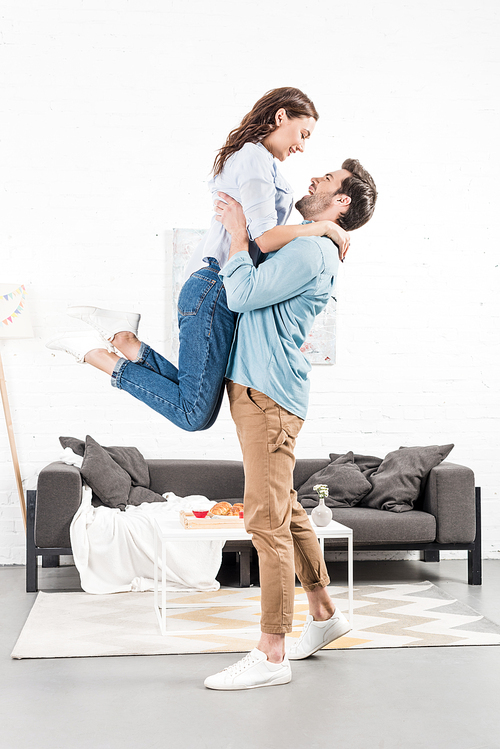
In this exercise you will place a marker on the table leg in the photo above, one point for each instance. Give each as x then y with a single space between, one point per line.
155 568
350 577
163 587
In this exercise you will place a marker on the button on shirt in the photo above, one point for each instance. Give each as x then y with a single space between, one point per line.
278 301
251 177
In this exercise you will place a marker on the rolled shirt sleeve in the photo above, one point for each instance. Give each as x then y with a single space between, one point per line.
251 177
257 182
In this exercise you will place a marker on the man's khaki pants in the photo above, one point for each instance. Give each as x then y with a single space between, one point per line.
281 531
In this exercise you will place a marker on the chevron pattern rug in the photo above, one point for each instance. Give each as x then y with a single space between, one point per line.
72 625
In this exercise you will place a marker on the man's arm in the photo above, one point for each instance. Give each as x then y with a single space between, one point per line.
239 243
274 239
288 273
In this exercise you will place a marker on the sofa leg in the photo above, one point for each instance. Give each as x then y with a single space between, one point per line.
31 573
50 561
474 567
431 555
474 561
31 561
245 559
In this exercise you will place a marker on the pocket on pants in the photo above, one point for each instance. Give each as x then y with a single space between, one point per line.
281 425
291 424
258 399
193 294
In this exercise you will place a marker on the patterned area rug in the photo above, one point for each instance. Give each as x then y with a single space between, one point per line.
72 625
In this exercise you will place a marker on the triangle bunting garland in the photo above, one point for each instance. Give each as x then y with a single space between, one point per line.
21 291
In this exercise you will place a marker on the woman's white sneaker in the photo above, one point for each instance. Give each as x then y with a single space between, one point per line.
254 670
78 344
107 322
316 635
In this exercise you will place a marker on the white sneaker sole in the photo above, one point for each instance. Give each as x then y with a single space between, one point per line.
111 319
232 688
57 343
339 631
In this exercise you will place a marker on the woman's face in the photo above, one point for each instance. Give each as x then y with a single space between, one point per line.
290 135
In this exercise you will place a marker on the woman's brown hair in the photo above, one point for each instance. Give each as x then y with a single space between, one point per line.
260 121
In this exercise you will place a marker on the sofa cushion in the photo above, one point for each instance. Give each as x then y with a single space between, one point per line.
111 483
78 446
346 484
129 458
396 482
305 467
105 477
375 527
367 464
215 479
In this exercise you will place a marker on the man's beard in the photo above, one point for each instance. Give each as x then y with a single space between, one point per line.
313 205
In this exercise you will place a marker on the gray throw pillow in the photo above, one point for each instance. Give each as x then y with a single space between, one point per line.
109 482
139 494
129 458
132 461
346 484
367 464
397 481
78 446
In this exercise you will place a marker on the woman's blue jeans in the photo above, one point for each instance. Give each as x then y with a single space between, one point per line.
189 395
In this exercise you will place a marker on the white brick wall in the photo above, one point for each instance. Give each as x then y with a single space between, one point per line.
111 114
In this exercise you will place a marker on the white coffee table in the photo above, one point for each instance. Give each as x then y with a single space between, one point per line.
173 530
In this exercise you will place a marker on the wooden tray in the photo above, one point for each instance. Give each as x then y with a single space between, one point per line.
188 520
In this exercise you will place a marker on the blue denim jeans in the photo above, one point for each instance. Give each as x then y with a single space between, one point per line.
189 395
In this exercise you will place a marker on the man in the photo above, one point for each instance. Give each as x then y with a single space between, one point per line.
268 392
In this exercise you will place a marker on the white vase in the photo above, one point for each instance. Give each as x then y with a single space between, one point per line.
321 515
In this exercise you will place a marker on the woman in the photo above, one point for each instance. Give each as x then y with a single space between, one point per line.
245 168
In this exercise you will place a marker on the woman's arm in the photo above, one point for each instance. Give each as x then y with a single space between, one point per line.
253 172
286 275
277 237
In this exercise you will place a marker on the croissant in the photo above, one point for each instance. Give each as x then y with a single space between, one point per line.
236 508
221 508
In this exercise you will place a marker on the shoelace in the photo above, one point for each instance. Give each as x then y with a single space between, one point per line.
240 666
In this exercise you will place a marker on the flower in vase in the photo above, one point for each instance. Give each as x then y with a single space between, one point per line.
321 490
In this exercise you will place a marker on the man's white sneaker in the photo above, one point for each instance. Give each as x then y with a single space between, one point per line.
78 344
254 670
107 322
316 635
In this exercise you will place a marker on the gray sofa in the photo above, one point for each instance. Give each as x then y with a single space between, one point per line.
446 517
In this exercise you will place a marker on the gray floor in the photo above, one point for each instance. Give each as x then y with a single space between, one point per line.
437 698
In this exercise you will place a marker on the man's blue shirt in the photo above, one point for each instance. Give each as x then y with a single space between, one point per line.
278 301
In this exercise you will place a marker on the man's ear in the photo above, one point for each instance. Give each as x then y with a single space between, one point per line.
343 200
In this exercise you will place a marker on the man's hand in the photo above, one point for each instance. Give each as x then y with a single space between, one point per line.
230 213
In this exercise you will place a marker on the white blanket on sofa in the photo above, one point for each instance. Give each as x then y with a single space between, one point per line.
114 550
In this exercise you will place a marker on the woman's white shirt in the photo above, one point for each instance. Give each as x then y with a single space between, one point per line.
251 177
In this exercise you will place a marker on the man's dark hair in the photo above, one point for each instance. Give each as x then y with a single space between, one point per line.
360 187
